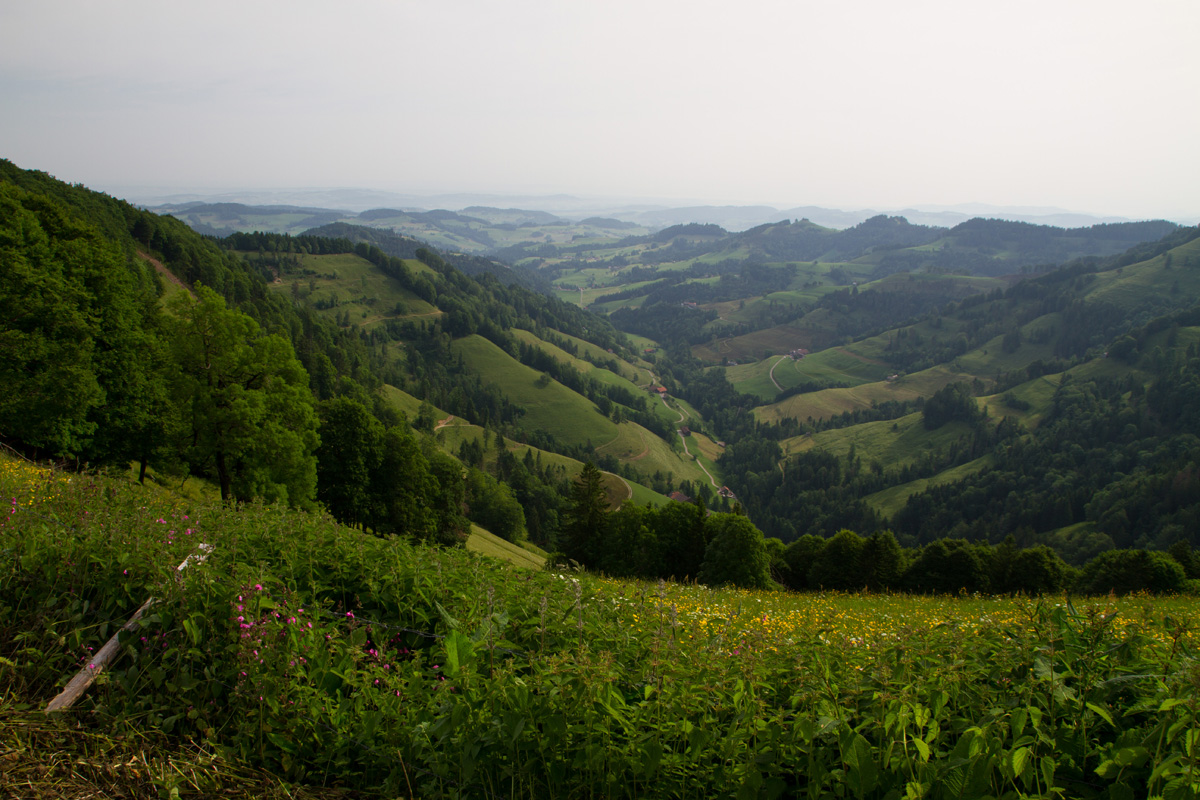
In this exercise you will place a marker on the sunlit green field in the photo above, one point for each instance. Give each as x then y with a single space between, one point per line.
826 403
355 286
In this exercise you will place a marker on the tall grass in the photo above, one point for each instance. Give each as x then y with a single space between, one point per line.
331 658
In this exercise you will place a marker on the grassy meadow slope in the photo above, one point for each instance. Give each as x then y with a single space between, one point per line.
306 660
547 404
826 403
452 433
620 378
481 541
568 416
347 284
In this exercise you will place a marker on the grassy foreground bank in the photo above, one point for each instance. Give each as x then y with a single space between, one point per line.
303 654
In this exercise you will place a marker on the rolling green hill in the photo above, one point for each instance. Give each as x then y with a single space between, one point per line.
1088 345
548 407
546 404
1064 394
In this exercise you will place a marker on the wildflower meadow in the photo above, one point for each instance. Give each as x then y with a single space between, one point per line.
331 658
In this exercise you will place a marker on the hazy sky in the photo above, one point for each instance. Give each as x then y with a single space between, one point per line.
1089 105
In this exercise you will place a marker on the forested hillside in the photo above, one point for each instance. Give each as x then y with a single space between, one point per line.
315 371
1053 412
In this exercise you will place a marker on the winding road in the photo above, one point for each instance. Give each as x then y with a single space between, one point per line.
682 416
628 488
771 374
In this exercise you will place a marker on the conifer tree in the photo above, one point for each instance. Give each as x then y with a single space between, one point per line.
587 519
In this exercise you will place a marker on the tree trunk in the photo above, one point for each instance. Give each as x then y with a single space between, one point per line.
223 477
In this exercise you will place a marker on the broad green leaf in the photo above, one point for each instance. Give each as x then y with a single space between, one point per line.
651 754
1048 765
1101 712
450 621
862 774
1132 756
1019 717
458 652
1021 761
282 742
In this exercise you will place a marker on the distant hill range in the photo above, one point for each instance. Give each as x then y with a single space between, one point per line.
534 238
546 209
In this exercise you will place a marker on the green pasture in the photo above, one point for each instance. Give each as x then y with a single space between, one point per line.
448 234
754 378
569 417
548 405
553 350
703 451
357 286
406 404
758 344
590 278
1101 368
889 501
630 444
645 496
290 222
834 365
827 403
613 305
893 443
585 367
1039 393
709 450
572 296
648 454
671 410
800 297
1137 284
990 359
482 541
628 371
965 285
689 412
451 436
732 310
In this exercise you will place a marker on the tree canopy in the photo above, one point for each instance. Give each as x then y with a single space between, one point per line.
246 400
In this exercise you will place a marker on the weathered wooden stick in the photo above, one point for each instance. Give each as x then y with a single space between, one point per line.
84 678
80 683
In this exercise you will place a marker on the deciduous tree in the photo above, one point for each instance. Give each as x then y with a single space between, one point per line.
736 554
246 400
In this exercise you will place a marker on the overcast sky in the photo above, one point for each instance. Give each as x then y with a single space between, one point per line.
1091 105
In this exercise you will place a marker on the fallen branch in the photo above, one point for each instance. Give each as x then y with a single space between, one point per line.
86 676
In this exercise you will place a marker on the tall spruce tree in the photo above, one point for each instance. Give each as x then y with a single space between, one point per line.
587 520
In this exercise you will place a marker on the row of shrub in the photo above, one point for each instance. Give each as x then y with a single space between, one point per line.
878 562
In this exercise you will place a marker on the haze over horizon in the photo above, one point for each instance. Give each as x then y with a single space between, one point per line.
1083 107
